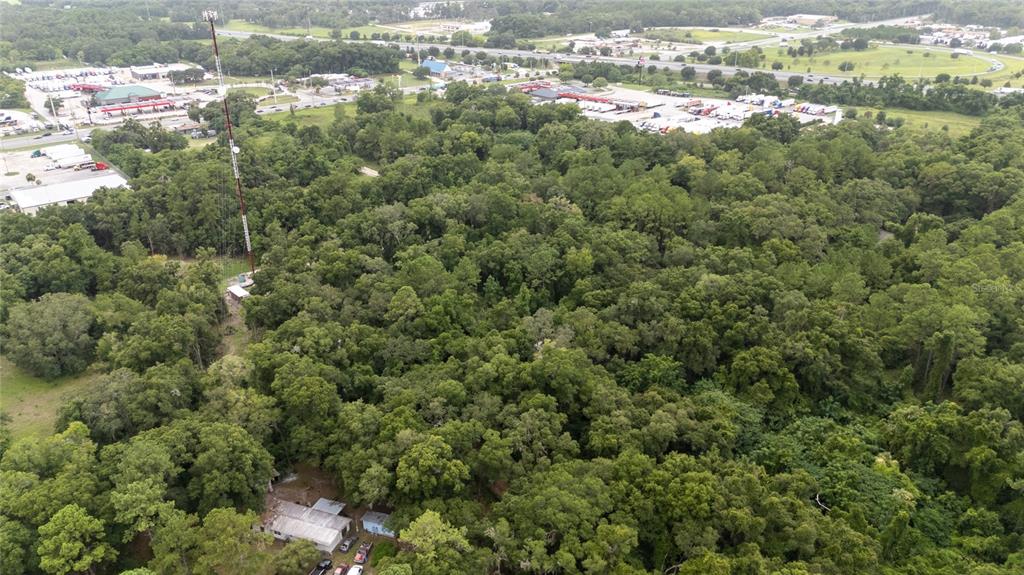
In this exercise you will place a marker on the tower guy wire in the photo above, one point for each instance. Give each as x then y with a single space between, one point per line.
211 16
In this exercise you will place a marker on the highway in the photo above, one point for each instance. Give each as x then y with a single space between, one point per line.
558 58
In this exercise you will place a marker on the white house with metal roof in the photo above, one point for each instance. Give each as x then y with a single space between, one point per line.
286 521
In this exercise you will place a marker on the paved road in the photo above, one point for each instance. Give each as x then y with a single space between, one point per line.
29 141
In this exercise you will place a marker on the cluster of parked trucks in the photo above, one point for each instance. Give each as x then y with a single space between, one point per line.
814 109
69 156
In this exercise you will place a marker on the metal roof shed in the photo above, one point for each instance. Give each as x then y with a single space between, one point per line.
238 292
329 506
373 522
293 521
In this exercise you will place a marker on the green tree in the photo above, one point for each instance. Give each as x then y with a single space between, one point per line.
437 547
52 336
72 541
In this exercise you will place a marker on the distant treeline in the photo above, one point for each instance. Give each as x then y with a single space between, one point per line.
249 57
1002 13
898 34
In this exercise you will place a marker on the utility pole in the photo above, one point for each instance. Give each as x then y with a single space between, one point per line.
211 16
273 86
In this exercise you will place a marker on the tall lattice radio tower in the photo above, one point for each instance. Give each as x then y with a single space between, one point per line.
211 16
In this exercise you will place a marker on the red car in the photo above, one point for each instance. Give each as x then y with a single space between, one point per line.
364 553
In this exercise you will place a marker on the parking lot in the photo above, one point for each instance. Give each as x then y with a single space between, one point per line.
662 112
20 164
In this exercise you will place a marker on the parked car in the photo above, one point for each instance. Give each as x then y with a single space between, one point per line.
355 570
363 555
347 544
321 568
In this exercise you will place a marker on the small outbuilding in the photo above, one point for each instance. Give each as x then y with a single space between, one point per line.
373 522
238 293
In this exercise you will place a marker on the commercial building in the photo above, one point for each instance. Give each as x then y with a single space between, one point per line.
31 200
157 71
373 522
438 69
126 95
286 521
812 20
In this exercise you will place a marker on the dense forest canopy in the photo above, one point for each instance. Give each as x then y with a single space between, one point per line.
549 344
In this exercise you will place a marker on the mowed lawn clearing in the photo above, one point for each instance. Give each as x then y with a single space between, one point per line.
882 61
31 402
243 26
253 91
702 35
956 124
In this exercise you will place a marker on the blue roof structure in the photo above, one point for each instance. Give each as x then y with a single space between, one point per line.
435 66
373 522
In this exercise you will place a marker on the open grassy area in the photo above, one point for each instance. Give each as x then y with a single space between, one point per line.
252 91
882 61
955 124
702 35
232 267
324 116
281 99
32 402
312 116
243 26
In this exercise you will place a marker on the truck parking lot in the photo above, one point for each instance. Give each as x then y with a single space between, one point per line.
665 112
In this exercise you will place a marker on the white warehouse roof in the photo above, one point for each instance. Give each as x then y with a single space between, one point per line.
29 198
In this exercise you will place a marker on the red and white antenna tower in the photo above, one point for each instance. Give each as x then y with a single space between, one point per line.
211 16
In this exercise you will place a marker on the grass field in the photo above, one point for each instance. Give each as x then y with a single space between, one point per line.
252 91
549 43
702 35
325 116
956 124
232 267
882 61
243 26
281 99
315 31
312 116
32 402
